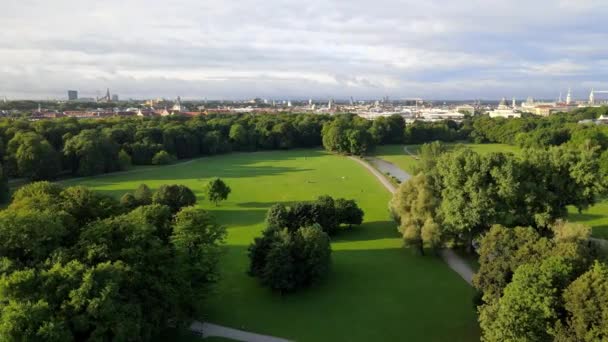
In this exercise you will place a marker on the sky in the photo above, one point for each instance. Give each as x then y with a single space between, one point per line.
283 49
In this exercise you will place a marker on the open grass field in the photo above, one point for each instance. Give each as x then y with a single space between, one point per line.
396 155
376 290
596 217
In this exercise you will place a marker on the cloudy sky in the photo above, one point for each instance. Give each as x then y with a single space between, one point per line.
231 49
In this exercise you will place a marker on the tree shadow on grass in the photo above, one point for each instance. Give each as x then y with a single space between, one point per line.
236 165
584 217
391 283
373 230
235 218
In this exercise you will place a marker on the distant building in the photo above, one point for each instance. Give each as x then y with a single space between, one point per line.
72 95
115 98
503 111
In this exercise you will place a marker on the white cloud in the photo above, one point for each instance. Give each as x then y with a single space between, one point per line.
275 48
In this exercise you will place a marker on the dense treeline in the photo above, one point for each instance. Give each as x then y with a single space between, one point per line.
46 149
77 265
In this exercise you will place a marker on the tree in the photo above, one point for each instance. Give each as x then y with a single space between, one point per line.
143 195
33 157
348 212
91 152
287 260
414 203
196 237
217 190
278 216
124 159
586 301
529 308
128 201
85 205
162 158
28 236
174 196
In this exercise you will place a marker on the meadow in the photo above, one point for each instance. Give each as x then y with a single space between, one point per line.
376 290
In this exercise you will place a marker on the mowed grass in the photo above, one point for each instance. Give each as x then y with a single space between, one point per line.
596 217
376 290
397 155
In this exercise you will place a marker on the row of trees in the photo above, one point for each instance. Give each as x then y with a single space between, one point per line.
294 250
542 288
459 195
78 265
174 196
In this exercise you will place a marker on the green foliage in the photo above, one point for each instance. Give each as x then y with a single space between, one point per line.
289 260
111 276
217 190
414 206
174 196
530 305
163 158
124 159
128 201
586 301
328 213
91 152
348 212
30 155
143 195
347 134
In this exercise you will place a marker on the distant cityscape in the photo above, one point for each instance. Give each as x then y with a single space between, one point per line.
411 109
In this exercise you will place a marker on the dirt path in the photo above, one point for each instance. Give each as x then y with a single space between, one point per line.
205 329
454 261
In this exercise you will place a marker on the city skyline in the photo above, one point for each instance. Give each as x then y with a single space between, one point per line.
433 50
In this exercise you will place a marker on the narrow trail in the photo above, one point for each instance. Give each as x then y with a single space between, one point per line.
454 261
205 329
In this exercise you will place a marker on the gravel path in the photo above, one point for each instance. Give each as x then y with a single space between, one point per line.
458 264
454 261
205 329
390 168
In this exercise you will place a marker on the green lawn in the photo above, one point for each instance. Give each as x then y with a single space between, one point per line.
396 154
596 217
376 290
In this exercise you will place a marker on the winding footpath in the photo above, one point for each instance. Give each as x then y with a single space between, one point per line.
454 261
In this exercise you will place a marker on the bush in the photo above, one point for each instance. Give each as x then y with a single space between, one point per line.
163 158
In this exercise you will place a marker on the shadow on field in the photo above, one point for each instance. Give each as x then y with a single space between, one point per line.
234 165
583 217
374 230
235 217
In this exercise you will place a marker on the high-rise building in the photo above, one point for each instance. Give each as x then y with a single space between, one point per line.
72 95
115 98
